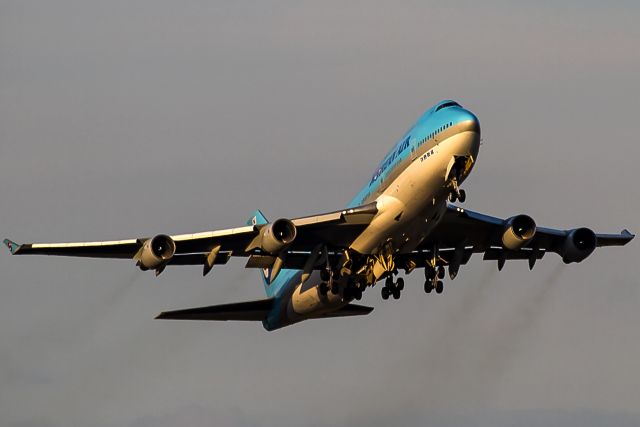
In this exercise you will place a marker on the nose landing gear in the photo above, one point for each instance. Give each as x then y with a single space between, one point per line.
457 194
459 168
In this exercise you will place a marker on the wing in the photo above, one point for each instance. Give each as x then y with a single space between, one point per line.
333 230
462 232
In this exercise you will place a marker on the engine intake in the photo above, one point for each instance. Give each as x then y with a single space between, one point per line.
156 252
518 231
276 236
578 245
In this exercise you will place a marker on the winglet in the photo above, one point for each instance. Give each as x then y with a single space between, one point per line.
13 246
626 235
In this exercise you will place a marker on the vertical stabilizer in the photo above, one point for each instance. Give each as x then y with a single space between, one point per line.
257 218
271 288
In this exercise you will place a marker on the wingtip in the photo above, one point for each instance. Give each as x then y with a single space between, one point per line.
13 246
628 234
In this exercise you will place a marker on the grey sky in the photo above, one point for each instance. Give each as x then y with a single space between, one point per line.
124 119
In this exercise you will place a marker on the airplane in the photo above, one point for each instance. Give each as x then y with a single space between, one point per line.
405 217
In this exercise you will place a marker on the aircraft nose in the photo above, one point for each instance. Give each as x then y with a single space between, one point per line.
467 121
468 127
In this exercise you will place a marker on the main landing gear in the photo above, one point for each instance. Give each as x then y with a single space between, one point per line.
392 288
352 289
433 279
327 283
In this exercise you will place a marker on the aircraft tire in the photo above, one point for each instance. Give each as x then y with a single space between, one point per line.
400 283
429 273
428 286
389 282
441 272
324 289
463 196
439 287
385 293
335 289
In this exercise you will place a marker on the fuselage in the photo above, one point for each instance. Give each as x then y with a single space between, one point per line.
410 187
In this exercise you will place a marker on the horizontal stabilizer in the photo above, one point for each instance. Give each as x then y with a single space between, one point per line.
349 310
248 310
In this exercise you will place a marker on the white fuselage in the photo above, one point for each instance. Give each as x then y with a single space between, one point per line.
409 207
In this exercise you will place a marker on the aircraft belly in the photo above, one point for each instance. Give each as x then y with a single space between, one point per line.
306 301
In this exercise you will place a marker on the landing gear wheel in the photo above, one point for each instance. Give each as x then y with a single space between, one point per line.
385 293
441 272
323 289
453 197
335 289
463 196
429 272
396 293
389 282
357 294
400 284
428 286
325 275
439 287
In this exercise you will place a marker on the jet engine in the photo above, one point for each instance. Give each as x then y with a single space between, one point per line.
578 245
156 251
518 231
276 236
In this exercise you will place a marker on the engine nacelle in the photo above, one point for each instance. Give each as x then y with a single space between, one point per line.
578 245
276 236
518 231
156 251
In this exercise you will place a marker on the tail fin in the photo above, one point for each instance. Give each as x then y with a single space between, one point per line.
13 246
258 218
271 288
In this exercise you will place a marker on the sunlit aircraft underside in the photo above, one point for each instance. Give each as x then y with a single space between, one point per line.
404 218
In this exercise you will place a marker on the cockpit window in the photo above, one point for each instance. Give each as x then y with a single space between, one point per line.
447 104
